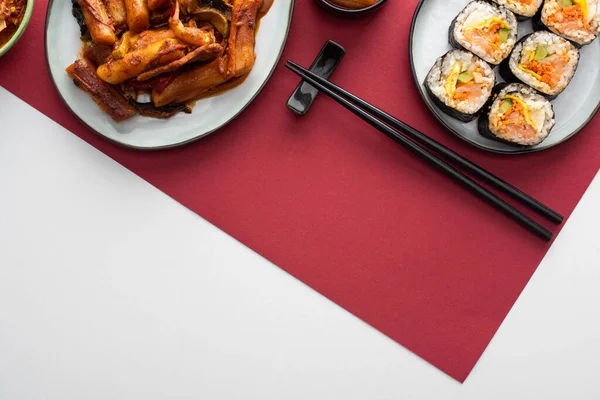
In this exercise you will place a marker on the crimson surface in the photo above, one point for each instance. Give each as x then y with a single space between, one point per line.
344 209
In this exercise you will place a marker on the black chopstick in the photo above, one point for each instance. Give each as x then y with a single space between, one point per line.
464 180
459 160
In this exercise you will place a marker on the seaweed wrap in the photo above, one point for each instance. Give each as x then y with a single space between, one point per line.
460 84
517 115
523 9
575 20
544 61
488 31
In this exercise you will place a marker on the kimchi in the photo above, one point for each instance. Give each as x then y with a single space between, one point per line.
156 57
11 15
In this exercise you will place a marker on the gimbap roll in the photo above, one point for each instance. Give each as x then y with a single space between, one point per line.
517 115
523 9
487 31
544 61
575 20
460 84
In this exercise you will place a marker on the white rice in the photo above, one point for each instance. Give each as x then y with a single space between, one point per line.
526 10
555 45
537 104
436 79
581 35
486 10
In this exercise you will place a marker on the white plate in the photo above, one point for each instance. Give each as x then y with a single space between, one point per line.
63 45
574 108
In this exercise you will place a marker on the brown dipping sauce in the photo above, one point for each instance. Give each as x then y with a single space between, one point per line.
353 4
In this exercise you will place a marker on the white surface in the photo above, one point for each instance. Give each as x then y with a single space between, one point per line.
64 45
109 289
573 107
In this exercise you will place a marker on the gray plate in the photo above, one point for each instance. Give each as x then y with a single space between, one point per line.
63 46
574 108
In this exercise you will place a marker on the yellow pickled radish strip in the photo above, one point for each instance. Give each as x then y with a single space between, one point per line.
531 57
530 72
488 22
450 85
584 8
526 113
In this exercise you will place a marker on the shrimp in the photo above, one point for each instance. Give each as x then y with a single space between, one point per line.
468 91
525 131
190 35
515 123
481 39
560 66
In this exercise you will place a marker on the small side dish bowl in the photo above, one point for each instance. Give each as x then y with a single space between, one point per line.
20 30
342 11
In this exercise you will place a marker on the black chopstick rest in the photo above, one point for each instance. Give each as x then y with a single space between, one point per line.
326 62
